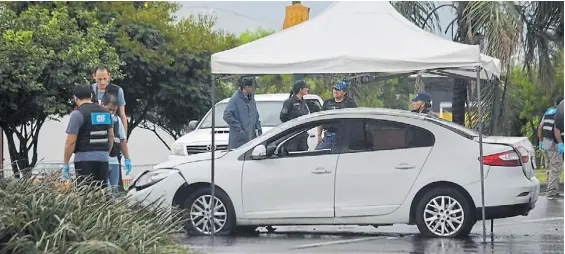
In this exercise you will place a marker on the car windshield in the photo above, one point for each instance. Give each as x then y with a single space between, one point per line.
269 114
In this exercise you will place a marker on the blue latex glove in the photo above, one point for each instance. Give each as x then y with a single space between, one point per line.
540 146
560 148
128 166
66 171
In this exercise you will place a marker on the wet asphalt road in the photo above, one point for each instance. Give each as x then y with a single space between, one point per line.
539 232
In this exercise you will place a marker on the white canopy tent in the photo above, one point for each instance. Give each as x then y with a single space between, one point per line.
352 37
355 37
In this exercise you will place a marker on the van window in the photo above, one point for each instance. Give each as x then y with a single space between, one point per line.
269 114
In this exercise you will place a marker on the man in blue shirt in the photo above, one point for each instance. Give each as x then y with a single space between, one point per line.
90 137
120 144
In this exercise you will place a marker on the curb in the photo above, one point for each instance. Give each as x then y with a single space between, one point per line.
543 187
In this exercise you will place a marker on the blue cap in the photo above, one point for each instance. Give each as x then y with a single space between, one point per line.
423 97
341 85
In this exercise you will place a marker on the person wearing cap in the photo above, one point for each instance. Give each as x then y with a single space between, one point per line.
241 115
90 136
422 103
340 101
294 107
549 144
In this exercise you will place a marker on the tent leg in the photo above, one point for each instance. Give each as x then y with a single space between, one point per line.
212 151
491 227
481 153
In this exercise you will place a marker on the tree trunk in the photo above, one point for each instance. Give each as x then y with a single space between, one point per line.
27 141
458 100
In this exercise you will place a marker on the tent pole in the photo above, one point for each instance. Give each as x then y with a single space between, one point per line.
481 153
212 151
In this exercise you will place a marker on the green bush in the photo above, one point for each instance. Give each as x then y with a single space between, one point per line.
40 217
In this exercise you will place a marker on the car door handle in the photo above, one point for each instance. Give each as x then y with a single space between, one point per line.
404 166
320 171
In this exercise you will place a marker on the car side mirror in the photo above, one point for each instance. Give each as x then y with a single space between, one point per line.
259 152
192 125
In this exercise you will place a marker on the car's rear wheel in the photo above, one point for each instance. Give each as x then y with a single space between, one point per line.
444 212
198 208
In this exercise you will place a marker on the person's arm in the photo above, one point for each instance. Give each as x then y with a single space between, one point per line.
230 116
285 110
557 134
122 104
70 145
320 129
258 123
75 122
540 130
110 139
123 139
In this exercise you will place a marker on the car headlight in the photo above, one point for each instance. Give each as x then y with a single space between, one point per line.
154 176
178 149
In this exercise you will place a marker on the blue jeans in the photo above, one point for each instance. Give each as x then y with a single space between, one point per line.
114 176
328 142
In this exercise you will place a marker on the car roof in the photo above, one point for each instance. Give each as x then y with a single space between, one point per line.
276 97
368 111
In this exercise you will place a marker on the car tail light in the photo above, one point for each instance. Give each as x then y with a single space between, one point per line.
523 152
505 159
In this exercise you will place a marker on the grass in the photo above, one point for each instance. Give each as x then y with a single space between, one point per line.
42 217
542 175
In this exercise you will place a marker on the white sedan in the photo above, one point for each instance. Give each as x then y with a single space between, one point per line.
386 167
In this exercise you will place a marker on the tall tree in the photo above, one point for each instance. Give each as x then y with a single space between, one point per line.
184 93
44 55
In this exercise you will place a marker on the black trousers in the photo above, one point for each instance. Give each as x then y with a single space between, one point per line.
120 181
93 172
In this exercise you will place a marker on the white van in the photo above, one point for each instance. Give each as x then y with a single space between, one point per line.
198 140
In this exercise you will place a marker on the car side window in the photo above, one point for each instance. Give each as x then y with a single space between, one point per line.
380 135
294 142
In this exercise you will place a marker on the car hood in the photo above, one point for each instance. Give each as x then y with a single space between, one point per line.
203 137
178 160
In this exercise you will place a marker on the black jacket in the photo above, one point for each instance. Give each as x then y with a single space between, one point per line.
293 108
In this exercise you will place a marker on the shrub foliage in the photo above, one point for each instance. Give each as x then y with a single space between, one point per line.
45 218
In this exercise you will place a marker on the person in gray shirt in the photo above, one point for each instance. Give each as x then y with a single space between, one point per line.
90 137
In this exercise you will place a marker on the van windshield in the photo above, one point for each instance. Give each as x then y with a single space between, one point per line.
269 115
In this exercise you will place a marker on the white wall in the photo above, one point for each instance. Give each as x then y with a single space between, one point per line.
145 148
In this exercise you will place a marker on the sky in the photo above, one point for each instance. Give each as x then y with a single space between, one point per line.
237 16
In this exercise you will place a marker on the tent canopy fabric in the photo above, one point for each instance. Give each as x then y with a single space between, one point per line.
351 37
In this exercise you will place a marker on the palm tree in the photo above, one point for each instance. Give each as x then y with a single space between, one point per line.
544 38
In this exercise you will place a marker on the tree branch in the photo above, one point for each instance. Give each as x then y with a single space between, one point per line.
433 11
154 130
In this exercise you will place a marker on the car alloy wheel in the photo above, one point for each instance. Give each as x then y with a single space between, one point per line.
443 216
201 214
444 212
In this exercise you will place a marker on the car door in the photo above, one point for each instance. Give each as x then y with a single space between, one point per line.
290 184
379 165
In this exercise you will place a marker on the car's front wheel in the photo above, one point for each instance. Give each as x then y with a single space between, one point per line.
444 212
198 207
